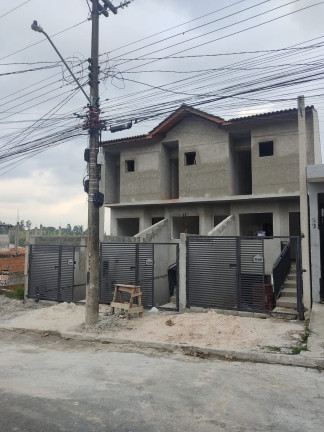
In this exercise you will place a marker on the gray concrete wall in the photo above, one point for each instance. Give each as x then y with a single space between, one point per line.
280 208
4 242
211 174
144 182
225 228
277 173
316 138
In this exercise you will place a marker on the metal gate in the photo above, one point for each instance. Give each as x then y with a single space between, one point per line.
144 264
51 272
229 272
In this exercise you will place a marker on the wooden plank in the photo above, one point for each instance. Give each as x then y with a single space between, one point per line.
126 306
127 286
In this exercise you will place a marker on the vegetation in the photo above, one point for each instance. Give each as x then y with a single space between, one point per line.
25 227
297 350
17 293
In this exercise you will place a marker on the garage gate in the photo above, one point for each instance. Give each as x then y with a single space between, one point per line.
230 272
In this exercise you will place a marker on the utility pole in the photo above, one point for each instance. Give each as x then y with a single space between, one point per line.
94 125
92 288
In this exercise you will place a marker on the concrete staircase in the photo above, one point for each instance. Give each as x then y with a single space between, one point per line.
287 302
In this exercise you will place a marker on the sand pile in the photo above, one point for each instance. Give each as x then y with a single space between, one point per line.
200 329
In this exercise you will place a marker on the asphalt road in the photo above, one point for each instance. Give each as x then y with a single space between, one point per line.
49 384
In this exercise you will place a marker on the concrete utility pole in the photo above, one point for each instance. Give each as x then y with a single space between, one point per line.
92 289
94 125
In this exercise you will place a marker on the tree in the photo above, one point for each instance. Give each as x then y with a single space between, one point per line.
77 230
68 228
28 224
22 225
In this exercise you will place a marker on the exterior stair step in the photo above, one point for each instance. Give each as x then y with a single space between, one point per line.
287 302
286 312
290 284
289 292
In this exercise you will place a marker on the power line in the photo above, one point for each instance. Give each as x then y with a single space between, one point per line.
12 10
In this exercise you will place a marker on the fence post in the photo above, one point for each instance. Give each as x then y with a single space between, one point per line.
183 272
26 268
238 273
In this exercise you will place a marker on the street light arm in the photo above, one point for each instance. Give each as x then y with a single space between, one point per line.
39 29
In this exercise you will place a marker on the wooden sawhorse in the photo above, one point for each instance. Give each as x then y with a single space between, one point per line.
134 291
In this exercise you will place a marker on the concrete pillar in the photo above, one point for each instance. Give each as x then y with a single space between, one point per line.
276 220
17 238
183 272
304 221
147 218
26 268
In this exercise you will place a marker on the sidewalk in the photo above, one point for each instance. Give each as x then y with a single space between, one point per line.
206 335
315 342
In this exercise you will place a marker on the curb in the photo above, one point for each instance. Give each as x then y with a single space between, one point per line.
196 351
191 350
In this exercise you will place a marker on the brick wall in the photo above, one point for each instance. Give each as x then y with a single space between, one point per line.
15 264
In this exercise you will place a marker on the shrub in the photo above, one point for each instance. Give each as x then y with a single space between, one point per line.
17 293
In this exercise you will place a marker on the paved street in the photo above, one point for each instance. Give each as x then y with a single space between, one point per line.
49 384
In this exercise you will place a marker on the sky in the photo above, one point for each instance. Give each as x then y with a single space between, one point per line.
227 57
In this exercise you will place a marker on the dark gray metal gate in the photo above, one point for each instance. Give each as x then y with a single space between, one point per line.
242 273
225 272
144 264
51 272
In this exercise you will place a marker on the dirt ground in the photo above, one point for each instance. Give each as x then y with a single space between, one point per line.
206 330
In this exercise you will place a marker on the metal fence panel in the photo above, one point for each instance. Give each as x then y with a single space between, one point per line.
145 273
212 272
43 272
237 272
117 264
251 274
51 272
66 274
144 264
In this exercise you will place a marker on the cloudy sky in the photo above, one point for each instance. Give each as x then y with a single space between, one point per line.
227 57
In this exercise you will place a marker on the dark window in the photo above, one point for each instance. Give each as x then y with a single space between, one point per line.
266 148
130 165
190 158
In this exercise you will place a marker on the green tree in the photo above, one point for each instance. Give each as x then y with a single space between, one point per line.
77 230
28 224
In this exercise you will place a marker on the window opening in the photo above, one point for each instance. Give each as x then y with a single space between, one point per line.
266 148
190 158
130 165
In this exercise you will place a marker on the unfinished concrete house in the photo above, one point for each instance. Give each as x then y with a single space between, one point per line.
195 170
199 174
